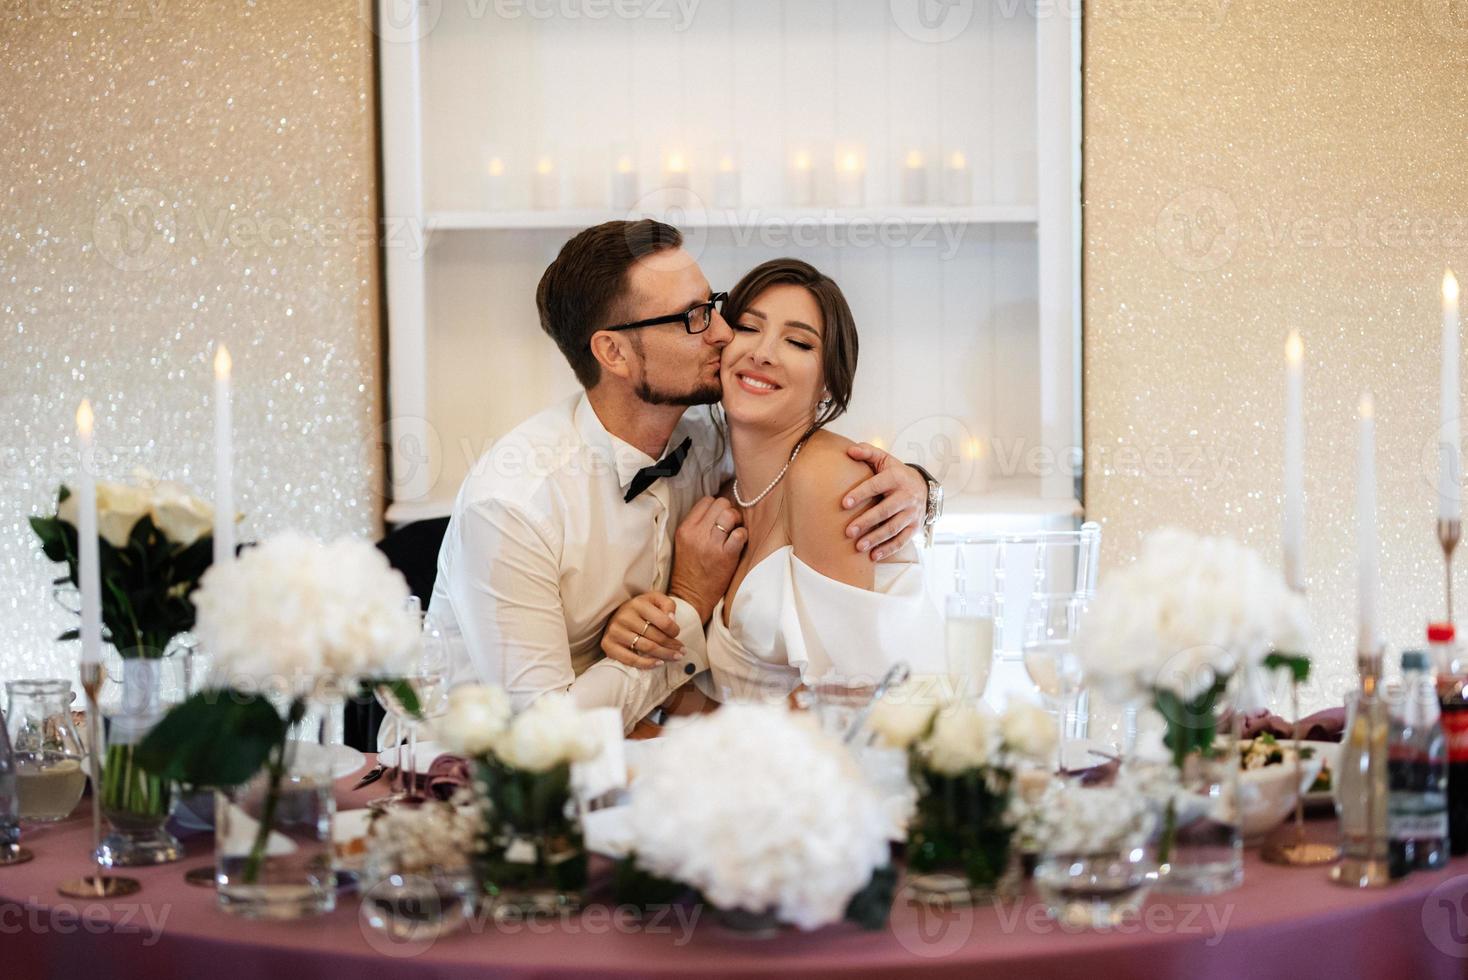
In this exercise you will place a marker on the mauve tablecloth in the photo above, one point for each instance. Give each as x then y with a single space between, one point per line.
1282 923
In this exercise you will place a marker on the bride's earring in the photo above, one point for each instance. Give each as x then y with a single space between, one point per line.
823 404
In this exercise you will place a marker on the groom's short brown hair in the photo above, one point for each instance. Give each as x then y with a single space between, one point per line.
585 289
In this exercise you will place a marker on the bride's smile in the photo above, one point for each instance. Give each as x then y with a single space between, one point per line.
772 372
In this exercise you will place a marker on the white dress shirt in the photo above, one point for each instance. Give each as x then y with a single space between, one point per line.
541 549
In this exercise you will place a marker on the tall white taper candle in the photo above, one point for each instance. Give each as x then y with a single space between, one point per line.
1368 578
1294 464
223 459
89 576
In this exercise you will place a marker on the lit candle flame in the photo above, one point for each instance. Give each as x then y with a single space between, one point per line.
957 161
1450 286
726 164
974 449
223 364
1294 348
914 159
496 167
545 166
802 160
676 163
84 418
1367 408
624 165
851 162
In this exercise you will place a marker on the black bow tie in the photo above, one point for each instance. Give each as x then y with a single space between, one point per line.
669 466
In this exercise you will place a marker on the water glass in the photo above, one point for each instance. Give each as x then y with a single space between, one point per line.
968 641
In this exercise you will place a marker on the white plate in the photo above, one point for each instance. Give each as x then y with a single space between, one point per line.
423 758
342 759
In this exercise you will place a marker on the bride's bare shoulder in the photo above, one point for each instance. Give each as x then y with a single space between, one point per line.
823 470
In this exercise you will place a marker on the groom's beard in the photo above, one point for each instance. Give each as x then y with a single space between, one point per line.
706 395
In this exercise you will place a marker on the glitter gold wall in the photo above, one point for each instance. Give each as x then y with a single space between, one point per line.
1250 167
172 173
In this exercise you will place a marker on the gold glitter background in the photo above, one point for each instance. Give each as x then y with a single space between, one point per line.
1251 167
176 172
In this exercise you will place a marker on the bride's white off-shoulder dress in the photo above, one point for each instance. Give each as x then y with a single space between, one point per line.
790 624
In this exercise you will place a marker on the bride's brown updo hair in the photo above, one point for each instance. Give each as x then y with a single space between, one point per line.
838 341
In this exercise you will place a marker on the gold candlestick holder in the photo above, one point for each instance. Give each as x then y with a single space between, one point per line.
96 885
1288 844
1449 532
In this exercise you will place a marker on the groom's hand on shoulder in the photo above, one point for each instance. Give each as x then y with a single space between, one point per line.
706 550
901 495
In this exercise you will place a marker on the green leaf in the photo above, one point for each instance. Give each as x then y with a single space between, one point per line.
1297 664
215 738
71 634
870 907
633 886
401 690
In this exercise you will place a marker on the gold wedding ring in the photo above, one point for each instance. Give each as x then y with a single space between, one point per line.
634 643
646 627
721 527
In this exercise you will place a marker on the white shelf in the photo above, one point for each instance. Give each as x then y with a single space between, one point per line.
997 214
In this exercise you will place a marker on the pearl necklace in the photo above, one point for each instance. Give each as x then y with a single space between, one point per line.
778 477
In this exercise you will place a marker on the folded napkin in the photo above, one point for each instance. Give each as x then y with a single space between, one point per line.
447 775
1322 726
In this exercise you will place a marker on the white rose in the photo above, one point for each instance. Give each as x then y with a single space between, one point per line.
1028 730
897 724
962 739
548 733
180 516
119 507
476 718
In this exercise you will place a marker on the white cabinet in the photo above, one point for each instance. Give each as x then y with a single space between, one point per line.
509 126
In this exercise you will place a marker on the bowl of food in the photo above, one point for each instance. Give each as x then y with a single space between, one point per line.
1269 785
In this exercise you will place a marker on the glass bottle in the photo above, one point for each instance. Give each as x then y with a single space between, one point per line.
1361 793
49 775
10 851
1417 774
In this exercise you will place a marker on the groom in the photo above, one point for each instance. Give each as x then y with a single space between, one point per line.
612 494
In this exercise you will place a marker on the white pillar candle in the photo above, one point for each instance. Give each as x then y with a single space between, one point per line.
675 171
802 180
914 179
1294 464
851 179
1450 462
622 188
89 576
958 186
495 193
1368 574
223 459
726 183
545 186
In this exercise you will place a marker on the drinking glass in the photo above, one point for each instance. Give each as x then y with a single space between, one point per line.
1051 624
968 641
427 674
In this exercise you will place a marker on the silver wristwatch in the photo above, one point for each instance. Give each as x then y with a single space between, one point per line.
935 505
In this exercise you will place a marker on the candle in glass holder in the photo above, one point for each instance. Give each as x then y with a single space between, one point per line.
89 577
914 179
675 171
958 186
802 180
622 186
545 185
851 178
726 183
495 191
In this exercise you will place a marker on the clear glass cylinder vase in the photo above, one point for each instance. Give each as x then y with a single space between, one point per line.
135 802
1200 849
534 858
274 855
959 844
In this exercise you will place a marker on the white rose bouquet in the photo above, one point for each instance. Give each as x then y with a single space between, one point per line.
532 843
764 815
292 616
963 760
155 542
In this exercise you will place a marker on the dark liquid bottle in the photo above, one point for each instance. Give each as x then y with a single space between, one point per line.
1454 706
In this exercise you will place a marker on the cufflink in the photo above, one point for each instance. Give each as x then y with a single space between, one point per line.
689 669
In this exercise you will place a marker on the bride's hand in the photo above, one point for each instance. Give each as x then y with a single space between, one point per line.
641 633
901 496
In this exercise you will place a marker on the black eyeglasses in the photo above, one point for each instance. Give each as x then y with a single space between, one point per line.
695 319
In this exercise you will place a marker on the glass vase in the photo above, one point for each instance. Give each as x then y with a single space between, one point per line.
1201 847
135 803
959 841
534 859
274 856
1094 890
417 905
50 764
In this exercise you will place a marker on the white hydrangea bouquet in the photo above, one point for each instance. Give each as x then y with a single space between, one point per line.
287 621
963 759
1177 625
532 856
764 816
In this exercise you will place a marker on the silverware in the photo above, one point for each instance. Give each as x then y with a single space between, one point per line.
896 675
373 776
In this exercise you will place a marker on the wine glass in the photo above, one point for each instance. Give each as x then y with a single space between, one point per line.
1049 658
968 641
426 673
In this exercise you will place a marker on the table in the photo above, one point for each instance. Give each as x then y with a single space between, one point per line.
1282 922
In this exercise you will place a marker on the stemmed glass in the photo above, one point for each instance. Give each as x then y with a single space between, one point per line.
968 641
1051 624
427 673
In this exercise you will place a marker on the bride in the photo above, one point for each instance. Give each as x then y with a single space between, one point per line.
803 605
